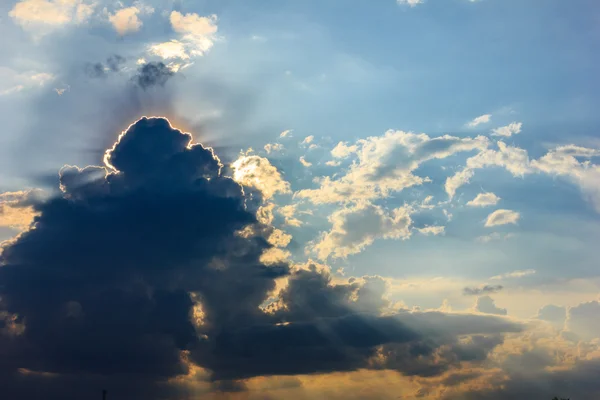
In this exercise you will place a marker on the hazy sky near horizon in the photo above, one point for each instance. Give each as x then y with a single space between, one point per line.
432 157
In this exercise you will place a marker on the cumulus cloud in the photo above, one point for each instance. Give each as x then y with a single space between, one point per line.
127 20
486 305
42 16
481 290
555 315
482 119
355 228
583 320
197 36
286 133
502 217
508 130
156 243
484 200
385 164
258 173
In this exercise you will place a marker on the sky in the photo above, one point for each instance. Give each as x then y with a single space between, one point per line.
219 199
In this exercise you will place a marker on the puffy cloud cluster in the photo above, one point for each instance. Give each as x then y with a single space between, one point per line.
197 36
42 16
142 276
355 228
385 164
127 19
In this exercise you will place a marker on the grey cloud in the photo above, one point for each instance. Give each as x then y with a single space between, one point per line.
486 304
486 289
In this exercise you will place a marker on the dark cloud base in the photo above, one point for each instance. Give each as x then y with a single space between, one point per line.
140 261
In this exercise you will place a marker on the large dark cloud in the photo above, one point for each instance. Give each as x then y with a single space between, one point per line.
141 261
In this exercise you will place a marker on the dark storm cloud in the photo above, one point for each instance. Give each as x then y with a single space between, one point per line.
141 260
152 74
477 291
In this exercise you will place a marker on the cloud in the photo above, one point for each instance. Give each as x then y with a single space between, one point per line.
482 119
385 165
486 305
411 3
502 217
258 173
287 133
583 320
353 229
484 200
152 74
485 289
308 140
457 180
432 230
514 274
197 36
126 20
155 256
14 81
289 213
509 130
17 209
42 16
272 147
494 236
113 63
555 315
304 162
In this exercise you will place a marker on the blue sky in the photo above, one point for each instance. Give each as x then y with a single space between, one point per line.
438 144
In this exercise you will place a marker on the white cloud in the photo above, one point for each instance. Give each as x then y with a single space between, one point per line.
385 164
287 133
308 140
502 217
271 147
14 82
432 230
482 119
513 159
411 3
197 36
355 228
514 274
258 173
563 162
289 213
304 162
459 179
168 50
127 20
509 130
484 200
342 150
42 16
